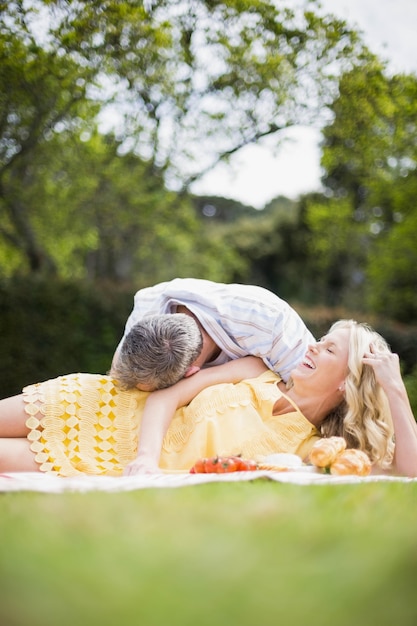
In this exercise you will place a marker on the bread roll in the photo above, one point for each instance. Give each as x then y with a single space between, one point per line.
354 462
325 451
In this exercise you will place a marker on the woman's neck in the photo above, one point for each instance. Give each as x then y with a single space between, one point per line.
316 407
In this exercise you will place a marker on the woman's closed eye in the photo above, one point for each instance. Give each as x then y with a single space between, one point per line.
329 346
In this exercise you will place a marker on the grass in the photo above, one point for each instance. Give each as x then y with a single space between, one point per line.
246 554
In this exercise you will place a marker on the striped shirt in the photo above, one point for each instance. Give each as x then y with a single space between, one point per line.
241 319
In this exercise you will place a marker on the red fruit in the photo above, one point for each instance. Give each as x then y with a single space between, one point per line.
226 464
223 465
199 467
212 465
247 465
232 464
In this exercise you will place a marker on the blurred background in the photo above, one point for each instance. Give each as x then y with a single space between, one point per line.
134 143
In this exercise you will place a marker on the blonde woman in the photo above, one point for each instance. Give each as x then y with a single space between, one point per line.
348 384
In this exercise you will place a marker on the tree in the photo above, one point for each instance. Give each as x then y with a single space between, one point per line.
183 85
336 250
370 159
229 73
392 272
41 91
370 144
267 242
103 216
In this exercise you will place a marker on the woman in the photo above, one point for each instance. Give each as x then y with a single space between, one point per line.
349 384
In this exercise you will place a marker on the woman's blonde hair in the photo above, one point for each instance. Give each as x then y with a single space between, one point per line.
364 418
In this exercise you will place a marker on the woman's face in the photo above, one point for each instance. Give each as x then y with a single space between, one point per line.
326 362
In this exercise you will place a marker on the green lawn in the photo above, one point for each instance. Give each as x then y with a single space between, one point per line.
246 554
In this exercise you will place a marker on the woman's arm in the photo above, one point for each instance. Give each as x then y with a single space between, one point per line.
387 371
161 405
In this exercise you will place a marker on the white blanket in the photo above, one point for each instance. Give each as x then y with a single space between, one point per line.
34 481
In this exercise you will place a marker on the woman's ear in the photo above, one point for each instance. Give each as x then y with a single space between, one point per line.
341 387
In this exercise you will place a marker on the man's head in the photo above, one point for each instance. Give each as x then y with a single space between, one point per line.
157 352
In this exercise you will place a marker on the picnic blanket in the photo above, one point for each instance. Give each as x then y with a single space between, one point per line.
36 481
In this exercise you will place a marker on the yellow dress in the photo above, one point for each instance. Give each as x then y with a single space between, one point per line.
83 423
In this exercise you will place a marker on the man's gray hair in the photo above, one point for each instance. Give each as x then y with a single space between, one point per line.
158 351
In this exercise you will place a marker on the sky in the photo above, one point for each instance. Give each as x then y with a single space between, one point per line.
256 175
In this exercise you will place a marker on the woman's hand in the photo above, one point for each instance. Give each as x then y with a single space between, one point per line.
386 366
141 465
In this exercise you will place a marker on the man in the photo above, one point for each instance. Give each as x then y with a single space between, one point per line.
234 320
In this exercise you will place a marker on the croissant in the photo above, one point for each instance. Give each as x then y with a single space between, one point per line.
325 451
351 461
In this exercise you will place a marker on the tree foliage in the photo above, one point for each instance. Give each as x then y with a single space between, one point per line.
179 85
104 216
366 227
270 246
